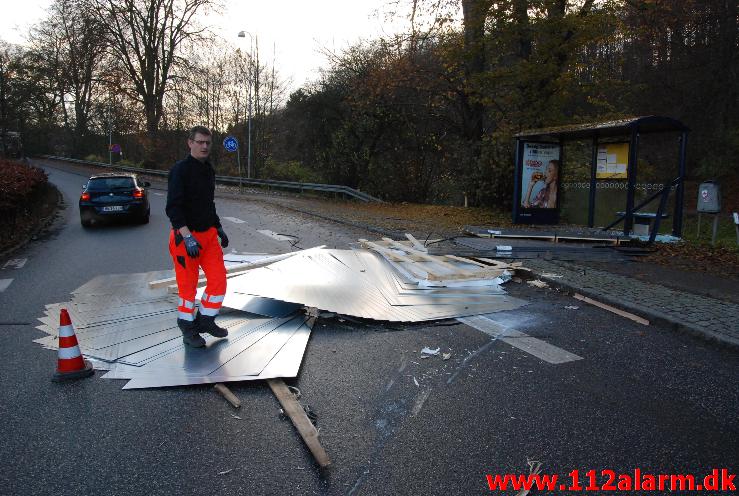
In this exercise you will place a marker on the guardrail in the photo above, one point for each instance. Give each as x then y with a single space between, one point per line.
269 183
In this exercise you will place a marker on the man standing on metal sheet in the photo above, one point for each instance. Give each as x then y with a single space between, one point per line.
193 241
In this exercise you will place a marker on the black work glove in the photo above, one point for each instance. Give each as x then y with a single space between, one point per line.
192 246
222 235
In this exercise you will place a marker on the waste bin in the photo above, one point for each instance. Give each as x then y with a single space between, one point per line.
709 197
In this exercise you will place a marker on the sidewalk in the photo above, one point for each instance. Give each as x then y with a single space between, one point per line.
709 318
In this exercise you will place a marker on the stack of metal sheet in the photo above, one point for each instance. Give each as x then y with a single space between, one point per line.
361 283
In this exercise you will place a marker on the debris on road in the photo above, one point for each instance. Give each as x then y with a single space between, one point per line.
226 393
537 283
613 309
127 322
300 420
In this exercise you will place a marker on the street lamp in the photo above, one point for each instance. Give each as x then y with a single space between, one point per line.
242 34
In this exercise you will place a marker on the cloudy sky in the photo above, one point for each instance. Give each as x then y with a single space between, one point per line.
297 29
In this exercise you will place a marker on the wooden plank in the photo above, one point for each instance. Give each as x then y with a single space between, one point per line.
300 420
230 397
431 258
498 264
615 310
486 274
238 267
395 257
466 260
416 244
612 241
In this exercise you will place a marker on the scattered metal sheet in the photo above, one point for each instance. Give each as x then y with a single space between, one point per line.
130 328
362 284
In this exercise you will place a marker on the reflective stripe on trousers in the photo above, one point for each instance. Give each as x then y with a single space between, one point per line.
187 273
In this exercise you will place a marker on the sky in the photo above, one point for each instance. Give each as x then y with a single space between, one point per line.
296 29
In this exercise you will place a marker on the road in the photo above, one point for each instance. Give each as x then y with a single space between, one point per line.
392 422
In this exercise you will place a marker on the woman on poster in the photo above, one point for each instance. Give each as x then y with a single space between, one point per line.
547 196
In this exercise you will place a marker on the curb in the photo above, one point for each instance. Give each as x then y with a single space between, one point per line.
653 316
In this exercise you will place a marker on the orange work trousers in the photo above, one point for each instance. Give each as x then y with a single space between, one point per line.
187 269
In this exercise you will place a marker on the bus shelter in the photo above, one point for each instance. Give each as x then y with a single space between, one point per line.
615 155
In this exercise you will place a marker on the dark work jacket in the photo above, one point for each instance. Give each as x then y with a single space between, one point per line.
190 195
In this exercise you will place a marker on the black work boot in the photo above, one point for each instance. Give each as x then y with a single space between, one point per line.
190 333
207 323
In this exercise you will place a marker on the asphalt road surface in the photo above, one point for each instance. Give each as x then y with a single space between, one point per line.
392 422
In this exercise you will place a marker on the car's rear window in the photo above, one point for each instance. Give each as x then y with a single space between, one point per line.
108 183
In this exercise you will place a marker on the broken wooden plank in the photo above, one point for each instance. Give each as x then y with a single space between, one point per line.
483 274
226 393
466 260
300 420
416 244
610 308
431 258
498 264
392 256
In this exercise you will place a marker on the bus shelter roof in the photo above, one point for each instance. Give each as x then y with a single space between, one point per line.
620 127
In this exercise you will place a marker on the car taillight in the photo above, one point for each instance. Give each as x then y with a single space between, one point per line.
85 197
138 193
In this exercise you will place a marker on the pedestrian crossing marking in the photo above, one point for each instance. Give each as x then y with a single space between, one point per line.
534 346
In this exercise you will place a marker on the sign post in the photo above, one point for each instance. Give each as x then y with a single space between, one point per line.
231 144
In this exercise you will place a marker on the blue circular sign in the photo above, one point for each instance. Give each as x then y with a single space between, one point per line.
230 144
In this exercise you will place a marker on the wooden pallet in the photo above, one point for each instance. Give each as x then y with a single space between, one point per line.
414 258
554 237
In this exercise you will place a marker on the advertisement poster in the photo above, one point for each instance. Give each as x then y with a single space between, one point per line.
613 160
540 175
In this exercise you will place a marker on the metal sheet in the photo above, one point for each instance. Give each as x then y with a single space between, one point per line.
259 305
286 363
182 359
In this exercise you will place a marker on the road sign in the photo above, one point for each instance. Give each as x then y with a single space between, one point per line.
230 144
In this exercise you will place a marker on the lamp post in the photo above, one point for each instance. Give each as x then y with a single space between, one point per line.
242 34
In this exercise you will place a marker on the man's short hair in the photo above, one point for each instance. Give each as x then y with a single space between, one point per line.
198 130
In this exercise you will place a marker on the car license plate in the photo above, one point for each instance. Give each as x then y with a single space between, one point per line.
116 208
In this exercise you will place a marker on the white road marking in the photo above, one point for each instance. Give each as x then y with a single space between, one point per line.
274 235
16 263
4 283
235 220
540 349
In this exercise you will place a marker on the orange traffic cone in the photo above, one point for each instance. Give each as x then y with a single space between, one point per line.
70 364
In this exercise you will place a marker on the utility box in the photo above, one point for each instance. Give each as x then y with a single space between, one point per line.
709 198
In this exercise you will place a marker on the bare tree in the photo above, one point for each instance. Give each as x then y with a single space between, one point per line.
71 40
145 36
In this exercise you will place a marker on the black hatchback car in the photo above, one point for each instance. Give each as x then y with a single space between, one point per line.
108 196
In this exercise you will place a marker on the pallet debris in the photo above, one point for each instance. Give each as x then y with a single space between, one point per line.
300 420
226 393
